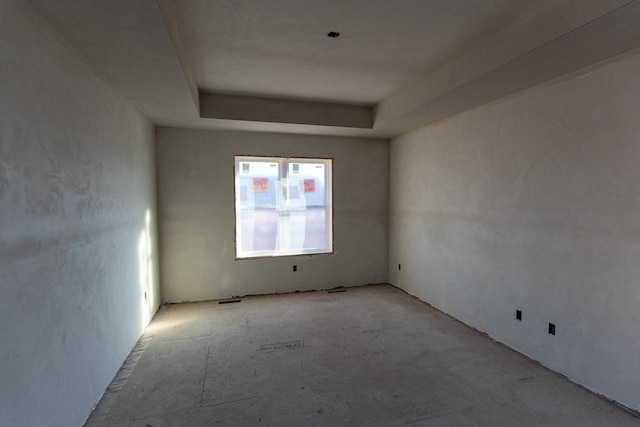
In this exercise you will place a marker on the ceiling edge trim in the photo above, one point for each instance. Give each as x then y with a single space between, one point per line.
275 110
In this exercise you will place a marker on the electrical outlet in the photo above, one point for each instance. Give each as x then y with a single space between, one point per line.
518 315
399 267
552 329
295 268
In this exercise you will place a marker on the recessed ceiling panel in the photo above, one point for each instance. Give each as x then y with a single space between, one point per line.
282 48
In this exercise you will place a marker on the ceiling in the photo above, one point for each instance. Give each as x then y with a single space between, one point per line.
280 48
270 66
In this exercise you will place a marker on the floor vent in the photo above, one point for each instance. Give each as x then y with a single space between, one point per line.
229 301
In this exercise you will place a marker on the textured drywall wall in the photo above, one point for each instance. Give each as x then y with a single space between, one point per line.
196 211
77 252
533 203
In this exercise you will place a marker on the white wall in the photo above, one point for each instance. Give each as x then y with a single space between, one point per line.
533 203
196 208
76 251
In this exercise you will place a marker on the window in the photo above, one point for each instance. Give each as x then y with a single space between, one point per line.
283 206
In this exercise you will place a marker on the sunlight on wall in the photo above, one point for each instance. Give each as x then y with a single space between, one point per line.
145 262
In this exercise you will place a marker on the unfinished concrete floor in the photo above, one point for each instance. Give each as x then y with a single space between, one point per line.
368 356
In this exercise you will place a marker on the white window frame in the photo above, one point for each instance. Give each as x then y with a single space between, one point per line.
284 207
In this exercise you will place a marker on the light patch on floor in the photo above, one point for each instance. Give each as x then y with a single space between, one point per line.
368 356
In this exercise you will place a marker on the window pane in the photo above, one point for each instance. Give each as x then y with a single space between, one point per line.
256 210
283 206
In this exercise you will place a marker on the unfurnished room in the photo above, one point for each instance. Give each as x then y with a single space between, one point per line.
319 213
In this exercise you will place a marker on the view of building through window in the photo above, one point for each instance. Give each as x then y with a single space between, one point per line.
283 206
